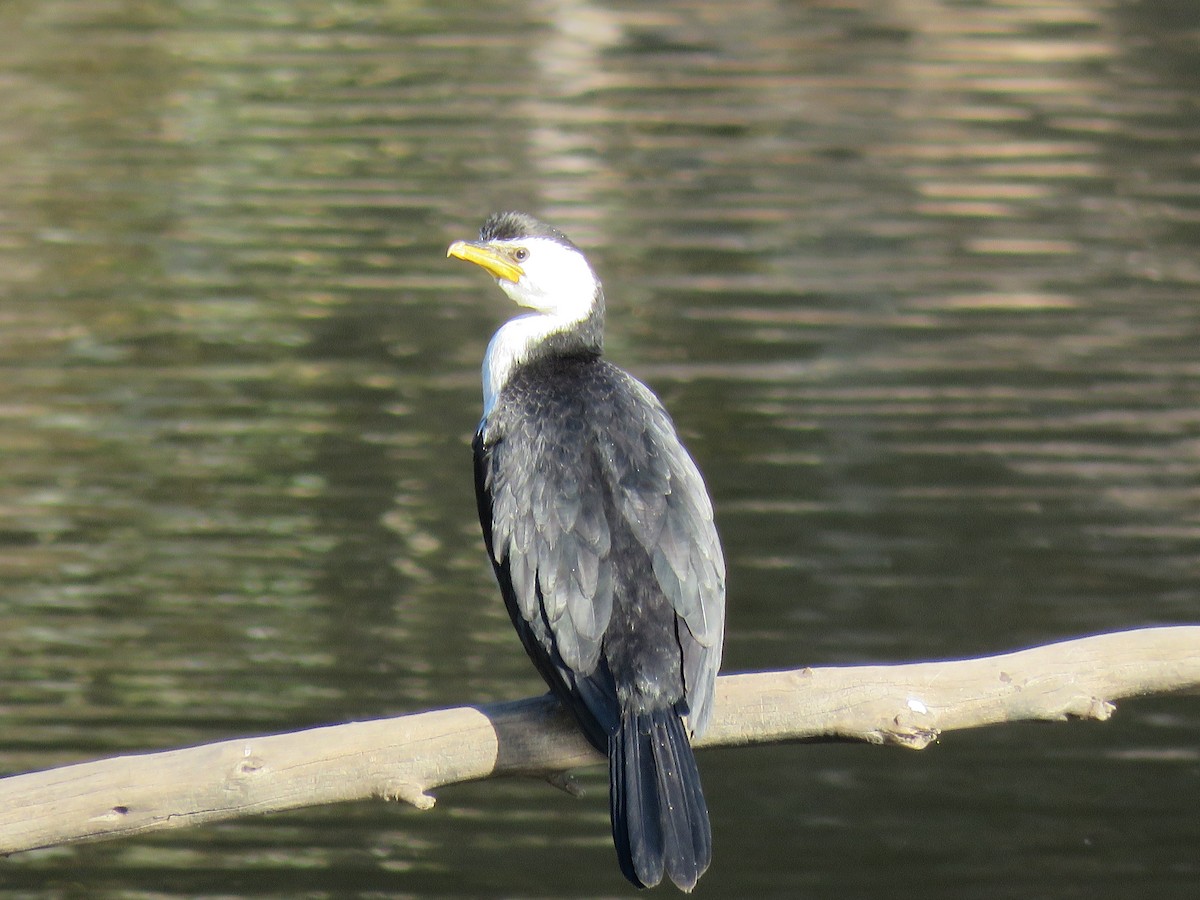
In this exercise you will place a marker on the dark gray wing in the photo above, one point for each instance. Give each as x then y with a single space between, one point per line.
549 531
557 471
665 502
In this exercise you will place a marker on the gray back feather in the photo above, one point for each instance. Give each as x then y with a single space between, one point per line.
564 469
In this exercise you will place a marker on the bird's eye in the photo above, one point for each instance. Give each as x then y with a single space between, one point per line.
520 254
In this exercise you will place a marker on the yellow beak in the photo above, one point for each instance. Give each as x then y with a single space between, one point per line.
482 255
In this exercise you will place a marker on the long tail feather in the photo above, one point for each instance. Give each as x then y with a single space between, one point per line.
659 817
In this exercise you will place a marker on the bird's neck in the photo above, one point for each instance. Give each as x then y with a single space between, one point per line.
538 336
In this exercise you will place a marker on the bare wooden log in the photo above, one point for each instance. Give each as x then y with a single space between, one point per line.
406 757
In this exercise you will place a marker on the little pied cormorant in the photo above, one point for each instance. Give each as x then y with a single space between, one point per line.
601 534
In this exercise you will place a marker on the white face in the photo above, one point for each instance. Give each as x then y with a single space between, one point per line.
555 280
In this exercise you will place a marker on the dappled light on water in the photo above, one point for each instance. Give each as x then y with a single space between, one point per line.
918 282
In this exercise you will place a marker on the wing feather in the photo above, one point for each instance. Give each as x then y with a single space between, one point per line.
681 537
549 526
555 484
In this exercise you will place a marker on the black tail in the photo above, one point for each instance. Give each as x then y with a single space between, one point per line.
659 817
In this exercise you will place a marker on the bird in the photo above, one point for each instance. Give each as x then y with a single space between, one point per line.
600 531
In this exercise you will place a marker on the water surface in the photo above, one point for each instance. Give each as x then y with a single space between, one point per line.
917 280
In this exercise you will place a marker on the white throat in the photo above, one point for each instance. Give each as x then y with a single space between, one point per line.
512 345
560 287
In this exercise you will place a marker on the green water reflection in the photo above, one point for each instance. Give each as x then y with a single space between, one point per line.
918 282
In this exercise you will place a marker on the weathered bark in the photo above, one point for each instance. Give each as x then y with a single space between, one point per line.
406 757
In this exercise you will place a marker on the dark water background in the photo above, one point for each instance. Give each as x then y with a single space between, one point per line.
917 279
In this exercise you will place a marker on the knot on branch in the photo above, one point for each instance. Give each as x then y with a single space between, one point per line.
912 738
1092 708
407 792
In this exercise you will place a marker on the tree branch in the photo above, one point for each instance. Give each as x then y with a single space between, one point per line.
406 757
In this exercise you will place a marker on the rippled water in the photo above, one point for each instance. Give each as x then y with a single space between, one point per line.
918 281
